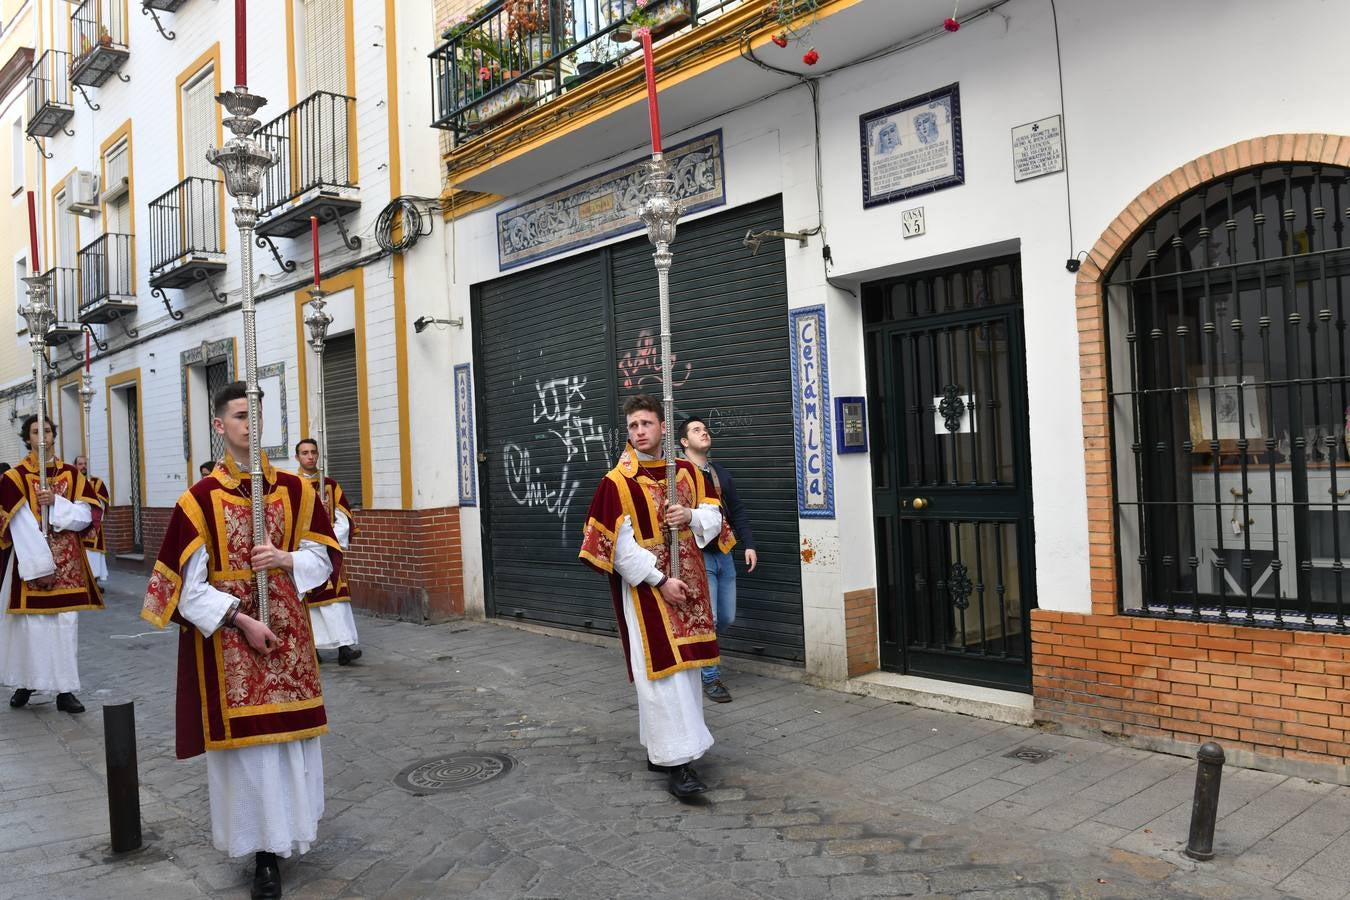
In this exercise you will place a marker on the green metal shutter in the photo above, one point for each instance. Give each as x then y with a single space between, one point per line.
594 319
343 408
729 321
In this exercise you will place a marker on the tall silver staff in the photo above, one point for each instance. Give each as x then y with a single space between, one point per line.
318 320
660 212
243 161
38 315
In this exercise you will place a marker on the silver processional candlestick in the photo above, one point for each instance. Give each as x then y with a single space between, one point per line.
318 320
660 212
243 161
87 400
38 315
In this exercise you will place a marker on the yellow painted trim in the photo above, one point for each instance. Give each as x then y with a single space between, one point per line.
399 283
355 280
210 57
350 35
453 209
525 134
125 377
291 78
122 131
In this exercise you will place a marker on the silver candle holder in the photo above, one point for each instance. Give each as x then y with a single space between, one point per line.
317 320
243 161
38 315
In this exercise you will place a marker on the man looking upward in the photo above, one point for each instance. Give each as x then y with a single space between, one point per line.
665 623
697 443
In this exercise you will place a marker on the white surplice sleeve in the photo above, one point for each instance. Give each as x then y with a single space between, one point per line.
634 564
68 516
200 603
34 556
706 523
342 529
310 566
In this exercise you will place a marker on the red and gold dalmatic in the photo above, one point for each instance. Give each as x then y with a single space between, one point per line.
73 587
228 695
335 589
93 538
674 636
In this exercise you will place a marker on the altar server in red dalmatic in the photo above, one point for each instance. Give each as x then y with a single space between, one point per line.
666 623
248 693
47 579
330 604
95 544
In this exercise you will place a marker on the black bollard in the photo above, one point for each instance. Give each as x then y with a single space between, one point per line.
124 785
1205 808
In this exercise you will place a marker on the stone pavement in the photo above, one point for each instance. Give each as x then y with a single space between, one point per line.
816 793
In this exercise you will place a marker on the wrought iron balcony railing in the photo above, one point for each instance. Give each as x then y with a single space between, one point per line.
315 147
507 56
65 296
106 274
185 223
49 101
98 29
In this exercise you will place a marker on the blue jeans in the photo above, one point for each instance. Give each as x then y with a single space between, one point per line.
722 594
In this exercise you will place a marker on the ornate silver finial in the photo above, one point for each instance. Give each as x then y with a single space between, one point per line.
318 319
660 211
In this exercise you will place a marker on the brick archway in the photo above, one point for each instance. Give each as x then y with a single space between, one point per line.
1330 149
1274 698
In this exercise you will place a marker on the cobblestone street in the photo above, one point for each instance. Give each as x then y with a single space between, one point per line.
814 793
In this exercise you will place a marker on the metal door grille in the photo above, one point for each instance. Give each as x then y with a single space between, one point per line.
217 376
1231 402
951 491
134 466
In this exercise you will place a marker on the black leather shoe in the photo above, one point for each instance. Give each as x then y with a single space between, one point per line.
653 767
69 703
684 783
20 698
266 877
717 692
347 656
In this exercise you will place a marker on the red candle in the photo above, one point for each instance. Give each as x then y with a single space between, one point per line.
651 90
33 259
240 44
86 352
314 237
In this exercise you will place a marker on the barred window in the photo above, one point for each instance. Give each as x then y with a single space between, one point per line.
1231 403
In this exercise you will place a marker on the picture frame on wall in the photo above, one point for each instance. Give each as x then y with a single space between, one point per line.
1226 408
850 424
912 147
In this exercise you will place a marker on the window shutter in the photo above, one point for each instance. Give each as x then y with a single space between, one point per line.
325 24
199 125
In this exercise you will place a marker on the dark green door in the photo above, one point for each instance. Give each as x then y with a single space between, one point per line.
952 499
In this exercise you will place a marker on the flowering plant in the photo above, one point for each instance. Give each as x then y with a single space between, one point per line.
525 17
462 24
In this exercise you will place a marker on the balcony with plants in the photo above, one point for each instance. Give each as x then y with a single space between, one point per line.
98 30
509 55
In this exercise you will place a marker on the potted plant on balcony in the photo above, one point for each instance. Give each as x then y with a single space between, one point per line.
661 17
528 28
104 39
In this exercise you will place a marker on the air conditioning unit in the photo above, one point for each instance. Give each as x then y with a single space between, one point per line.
82 194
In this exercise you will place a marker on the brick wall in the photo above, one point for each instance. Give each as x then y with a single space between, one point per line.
402 563
1278 695
407 563
860 631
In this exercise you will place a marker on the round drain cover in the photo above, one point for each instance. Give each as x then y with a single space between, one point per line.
453 773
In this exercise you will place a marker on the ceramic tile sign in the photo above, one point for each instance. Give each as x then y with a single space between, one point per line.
1038 148
912 147
811 414
464 455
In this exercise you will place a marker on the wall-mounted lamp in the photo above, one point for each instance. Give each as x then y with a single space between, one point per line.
421 322
753 239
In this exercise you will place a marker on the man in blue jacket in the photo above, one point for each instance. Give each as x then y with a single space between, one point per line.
697 443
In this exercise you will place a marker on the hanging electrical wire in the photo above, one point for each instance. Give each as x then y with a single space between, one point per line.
404 210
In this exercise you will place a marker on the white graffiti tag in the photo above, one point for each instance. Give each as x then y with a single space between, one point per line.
557 404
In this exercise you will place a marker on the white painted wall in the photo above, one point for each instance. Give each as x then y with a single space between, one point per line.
1148 86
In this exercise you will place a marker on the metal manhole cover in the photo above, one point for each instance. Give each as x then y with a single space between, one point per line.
1030 754
453 773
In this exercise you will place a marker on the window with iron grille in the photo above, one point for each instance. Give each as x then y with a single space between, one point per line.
1230 394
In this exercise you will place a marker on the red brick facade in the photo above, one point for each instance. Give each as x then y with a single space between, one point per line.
1277 694
402 563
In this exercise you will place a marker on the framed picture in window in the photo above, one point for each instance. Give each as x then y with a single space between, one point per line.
1227 408
850 422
